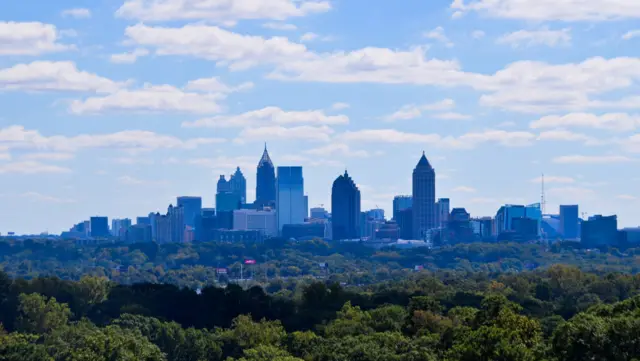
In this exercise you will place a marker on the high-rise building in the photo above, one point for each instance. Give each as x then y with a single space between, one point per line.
238 185
442 212
99 227
206 226
162 225
306 207
192 208
507 213
400 203
227 202
176 219
143 220
345 208
119 227
223 185
319 213
266 181
377 214
256 220
599 231
139 233
569 216
290 196
424 198
404 218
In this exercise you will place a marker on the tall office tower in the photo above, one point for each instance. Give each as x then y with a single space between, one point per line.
569 221
223 185
443 206
289 196
345 208
99 227
424 198
306 207
119 227
266 181
238 185
143 221
176 221
162 226
400 203
192 209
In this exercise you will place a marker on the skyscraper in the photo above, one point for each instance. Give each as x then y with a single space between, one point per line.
569 221
266 181
223 185
176 223
99 227
424 198
192 208
345 208
290 196
442 212
238 185
400 203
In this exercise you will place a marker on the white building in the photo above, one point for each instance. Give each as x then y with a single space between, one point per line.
264 221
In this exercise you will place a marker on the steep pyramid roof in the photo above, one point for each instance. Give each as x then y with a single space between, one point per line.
265 157
423 162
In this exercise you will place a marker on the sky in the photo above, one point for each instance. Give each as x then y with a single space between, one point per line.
116 107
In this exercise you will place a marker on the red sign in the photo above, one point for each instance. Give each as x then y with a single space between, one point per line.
249 261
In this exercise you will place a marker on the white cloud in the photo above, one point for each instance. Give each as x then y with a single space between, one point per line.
543 36
566 136
32 38
501 137
309 37
464 189
280 26
631 35
276 132
452 116
52 156
387 136
17 137
413 111
572 193
439 35
130 57
478 34
54 76
38 197
133 181
219 11
619 122
30 167
338 149
78 13
224 164
549 10
269 115
632 144
595 159
215 85
213 43
627 197
550 179
151 98
340 106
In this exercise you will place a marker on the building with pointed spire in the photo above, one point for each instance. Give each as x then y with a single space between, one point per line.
238 185
345 208
266 181
424 198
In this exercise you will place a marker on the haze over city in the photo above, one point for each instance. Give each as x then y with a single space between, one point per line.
115 108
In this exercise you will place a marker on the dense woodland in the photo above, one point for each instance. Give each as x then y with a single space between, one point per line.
560 313
194 265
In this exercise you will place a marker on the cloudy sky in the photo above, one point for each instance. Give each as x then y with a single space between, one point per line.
115 107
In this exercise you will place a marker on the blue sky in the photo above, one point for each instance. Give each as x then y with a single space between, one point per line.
115 107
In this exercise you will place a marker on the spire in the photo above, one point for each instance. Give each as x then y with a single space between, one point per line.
265 157
423 162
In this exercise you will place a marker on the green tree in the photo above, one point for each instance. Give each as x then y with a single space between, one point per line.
37 315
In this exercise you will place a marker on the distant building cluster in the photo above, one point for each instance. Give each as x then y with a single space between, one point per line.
281 209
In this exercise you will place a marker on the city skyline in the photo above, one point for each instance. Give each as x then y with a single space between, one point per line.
117 107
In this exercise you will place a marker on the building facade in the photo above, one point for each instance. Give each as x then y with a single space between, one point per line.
600 231
289 196
264 221
424 198
192 208
400 203
99 227
265 181
569 221
345 208
238 185
507 213
443 206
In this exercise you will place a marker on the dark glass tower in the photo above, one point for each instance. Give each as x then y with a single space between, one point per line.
266 181
238 185
424 198
345 208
